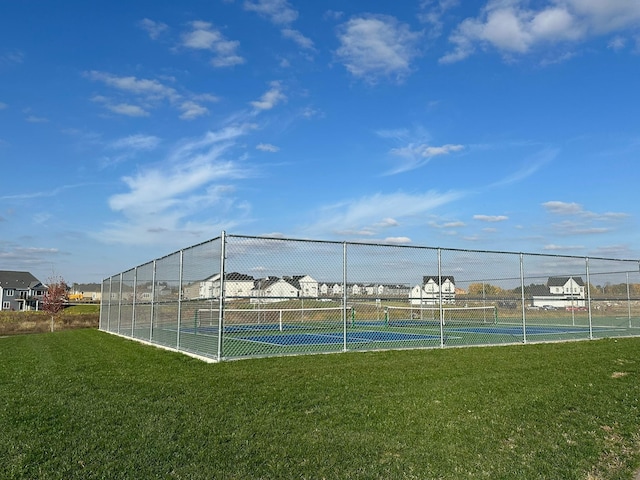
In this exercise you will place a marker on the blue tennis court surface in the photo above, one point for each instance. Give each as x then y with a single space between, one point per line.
336 338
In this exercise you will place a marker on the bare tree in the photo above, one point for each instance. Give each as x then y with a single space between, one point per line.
55 297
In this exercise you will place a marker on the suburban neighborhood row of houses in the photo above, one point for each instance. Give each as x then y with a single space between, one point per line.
22 291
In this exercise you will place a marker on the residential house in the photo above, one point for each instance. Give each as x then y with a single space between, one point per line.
20 291
235 285
559 292
275 289
434 288
85 292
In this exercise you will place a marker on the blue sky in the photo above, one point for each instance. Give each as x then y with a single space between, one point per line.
128 132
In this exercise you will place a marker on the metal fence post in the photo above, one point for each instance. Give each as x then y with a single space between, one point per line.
120 304
179 299
441 308
524 309
628 300
589 299
344 296
153 300
222 295
133 302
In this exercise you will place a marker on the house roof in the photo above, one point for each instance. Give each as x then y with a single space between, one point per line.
436 279
18 280
87 287
562 281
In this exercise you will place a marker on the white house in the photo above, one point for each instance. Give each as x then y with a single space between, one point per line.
273 289
433 289
307 286
560 292
235 285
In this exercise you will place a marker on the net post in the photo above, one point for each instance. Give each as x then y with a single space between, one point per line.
280 319
386 316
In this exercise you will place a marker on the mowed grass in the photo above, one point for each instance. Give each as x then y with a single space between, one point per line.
85 404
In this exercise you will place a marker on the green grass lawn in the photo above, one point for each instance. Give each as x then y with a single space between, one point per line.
84 404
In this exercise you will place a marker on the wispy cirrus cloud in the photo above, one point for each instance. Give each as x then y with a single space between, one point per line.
576 220
415 149
377 46
136 142
371 215
174 198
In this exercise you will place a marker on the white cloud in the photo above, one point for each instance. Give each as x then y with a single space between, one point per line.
270 98
513 29
563 208
372 213
397 240
203 36
372 46
491 218
580 221
35 119
267 147
431 13
146 94
617 43
131 84
154 29
278 12
191 110
297 37
175 196
127 110
136 142
417 154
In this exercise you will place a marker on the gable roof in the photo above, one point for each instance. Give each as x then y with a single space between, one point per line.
18 280
435 279
562 281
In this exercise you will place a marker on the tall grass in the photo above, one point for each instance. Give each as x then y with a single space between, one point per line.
84 404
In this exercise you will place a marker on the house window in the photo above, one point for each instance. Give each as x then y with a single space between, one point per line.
6 305
10 292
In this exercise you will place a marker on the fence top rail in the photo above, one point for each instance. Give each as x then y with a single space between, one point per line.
389 245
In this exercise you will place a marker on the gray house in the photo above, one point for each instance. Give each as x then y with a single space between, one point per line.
20 291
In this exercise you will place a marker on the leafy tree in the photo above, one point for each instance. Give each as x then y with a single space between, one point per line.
478 289
55 297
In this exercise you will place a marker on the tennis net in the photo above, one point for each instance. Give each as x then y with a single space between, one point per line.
396 316
273 319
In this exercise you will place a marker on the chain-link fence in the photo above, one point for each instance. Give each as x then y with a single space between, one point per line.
242 296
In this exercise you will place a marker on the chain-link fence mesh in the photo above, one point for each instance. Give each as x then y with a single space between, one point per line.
241 296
